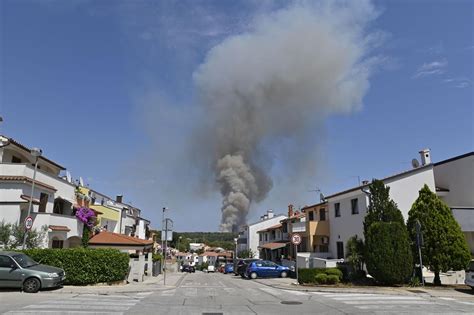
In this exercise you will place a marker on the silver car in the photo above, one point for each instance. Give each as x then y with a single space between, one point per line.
17 270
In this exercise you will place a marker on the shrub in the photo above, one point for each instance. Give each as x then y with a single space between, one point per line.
85 266
334 272
156 257
332 279
321 278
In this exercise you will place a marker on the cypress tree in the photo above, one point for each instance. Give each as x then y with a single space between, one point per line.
444 246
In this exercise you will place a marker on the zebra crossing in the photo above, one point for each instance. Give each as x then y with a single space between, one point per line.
85 304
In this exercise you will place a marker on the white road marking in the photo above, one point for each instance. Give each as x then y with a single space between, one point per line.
168 292
65 306
62 312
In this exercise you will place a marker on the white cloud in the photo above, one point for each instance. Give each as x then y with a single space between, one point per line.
460 82
432 68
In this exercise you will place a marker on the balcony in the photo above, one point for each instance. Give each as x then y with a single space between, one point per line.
75 226
298 227
64 188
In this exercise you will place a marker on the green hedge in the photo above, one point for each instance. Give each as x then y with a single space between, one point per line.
306 275
83 265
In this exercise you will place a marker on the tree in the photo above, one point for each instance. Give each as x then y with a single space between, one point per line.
34 239
387 248
5 232
444 246
245 254
389 255
355 253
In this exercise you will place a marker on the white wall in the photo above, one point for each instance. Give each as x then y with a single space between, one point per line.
458 177
252 239
403 190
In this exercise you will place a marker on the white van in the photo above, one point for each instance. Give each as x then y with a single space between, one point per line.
469 280
211 268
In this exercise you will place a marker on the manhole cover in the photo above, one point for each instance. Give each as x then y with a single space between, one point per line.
291 302
417 291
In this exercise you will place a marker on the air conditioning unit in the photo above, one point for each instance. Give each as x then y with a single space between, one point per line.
325 240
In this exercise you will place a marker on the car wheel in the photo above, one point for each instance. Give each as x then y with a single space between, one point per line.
31 285
284 274
253 275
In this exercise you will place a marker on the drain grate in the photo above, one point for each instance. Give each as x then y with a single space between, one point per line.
291 302
212 313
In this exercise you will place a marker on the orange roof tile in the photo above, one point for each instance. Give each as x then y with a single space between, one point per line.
59 228
273 245
109 238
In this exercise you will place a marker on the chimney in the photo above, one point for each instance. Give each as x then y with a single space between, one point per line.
290 211
265 216
270 213
119 198
425 157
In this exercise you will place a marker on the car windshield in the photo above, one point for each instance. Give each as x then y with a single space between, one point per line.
24 261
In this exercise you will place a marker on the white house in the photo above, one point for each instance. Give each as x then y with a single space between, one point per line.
454 180
196 246
348 208
248 238
53 197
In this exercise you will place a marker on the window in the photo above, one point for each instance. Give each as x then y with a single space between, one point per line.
355 206
260 237
57 243
322 214
340 250
311 215
337 209
16 159
43 202
6 262
58 206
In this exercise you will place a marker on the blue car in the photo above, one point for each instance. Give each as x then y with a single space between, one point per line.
266 268
229 268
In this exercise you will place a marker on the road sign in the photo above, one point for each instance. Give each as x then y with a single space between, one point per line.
296 239
28 223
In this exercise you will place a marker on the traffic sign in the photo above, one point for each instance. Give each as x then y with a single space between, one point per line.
296 239
28 223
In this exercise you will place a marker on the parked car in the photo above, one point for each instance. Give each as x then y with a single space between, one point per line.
229 268
469 279
211 268
242 266
188 268
17 270
265 268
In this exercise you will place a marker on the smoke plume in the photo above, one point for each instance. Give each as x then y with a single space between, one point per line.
291 69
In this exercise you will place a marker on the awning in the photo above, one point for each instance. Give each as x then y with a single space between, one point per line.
106 212
28 198
273 246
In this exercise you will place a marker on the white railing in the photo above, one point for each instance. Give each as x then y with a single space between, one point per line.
48 219
298 227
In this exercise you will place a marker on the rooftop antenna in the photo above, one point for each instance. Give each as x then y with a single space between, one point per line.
68 177
322 198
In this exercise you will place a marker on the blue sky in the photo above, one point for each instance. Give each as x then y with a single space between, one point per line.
106 89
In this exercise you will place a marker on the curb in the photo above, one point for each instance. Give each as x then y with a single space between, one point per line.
105 290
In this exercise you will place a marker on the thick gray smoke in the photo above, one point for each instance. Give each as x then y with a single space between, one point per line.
294 67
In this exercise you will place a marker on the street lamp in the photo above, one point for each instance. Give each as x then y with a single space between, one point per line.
163 252
235 255
36 153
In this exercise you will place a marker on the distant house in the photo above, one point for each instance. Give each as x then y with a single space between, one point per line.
317 229
122 242
196 246
248 238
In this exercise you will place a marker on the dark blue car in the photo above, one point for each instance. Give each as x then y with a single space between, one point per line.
229 268
266 268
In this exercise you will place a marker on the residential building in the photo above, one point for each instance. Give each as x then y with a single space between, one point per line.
196 246
317 229
273 243
122 242
248 238
53 198
454 180
295 223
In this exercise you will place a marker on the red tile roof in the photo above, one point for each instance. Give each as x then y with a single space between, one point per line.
273 245
25 179
59 228
109 238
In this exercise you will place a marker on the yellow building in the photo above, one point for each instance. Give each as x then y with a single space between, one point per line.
317 227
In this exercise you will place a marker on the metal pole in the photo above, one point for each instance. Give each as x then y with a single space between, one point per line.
162 241
30 204
296 263
166 248
421 266
419 241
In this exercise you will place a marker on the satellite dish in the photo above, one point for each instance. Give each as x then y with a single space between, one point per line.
68 177
321 197
415 163
81 182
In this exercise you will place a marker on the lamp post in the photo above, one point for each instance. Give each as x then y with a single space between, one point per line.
163 253
36 153
235 250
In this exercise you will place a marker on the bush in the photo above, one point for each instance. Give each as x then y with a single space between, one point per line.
156 257
332 279
85 266
334 272
321 278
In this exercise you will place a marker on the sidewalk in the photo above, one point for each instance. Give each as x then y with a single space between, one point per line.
173 279
289 284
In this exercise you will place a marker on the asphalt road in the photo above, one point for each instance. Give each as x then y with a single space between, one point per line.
202 293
